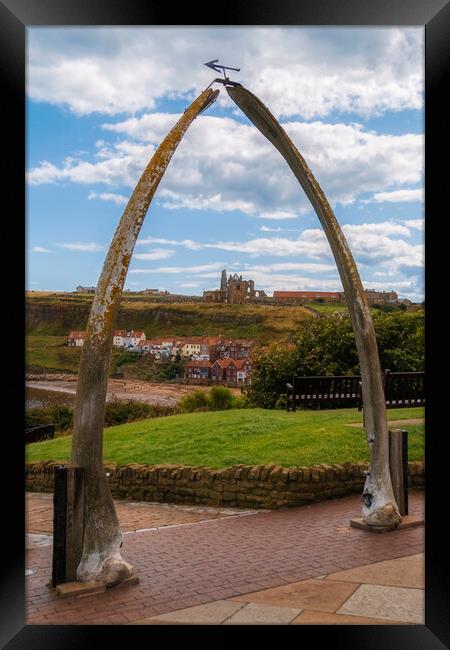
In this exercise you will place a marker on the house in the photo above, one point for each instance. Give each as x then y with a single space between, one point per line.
243 370
131 340
76 339
81 289
119 337
198 369
190 348
231 370
144 346
236 349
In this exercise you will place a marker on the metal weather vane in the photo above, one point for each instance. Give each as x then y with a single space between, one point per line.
215 65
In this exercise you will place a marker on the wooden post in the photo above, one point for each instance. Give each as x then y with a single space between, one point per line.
398 463
68 508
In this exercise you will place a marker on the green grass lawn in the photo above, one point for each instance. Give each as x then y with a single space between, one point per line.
248 436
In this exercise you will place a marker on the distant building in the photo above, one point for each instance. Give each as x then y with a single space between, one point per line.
377 297
124 339
81 289
305 296
232 370
198 369
234 348
234 291
155 292
380 297
132 339
119 337
76 339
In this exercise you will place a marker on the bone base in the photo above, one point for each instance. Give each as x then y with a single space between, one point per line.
408 521
78 589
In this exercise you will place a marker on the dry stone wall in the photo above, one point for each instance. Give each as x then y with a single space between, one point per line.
248 486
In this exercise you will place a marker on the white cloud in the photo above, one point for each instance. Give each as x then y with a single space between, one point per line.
40 249
398 196
416 224
155 254
278 229
381 228
200 268
187 243
118 199
249 175
115 70
372 244
83 247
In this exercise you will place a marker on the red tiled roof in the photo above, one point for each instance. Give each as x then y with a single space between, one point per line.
120 333
224 363
136 333
199 363
77 335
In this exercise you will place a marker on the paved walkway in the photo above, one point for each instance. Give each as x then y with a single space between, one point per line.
231 557
388 592
133 515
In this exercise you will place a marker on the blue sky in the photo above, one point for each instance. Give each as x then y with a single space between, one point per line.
100 100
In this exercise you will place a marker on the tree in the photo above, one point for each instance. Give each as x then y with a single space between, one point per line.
101 559
380 509
326 346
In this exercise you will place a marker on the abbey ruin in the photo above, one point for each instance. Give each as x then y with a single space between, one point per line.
234 291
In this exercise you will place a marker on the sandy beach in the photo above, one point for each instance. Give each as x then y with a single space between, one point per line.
125 389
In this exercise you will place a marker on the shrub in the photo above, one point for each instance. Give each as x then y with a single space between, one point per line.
116 412
196 401
60 416
221 398
119 412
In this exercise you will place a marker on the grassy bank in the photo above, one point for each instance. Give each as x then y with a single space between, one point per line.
52 354
249 436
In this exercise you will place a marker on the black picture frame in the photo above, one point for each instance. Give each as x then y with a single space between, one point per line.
434 15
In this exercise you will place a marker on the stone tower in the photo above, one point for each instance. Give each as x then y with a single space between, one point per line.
223 287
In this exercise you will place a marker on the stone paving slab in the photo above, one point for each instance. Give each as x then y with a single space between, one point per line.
393 603
410 572
210 614
326 618
185 566
256 614
319 595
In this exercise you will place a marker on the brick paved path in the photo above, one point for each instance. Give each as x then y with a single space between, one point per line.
189 565
133 515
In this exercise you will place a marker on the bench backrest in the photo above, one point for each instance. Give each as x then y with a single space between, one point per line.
337 387
404 389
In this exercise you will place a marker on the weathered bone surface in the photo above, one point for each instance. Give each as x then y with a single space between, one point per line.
379 506
101 559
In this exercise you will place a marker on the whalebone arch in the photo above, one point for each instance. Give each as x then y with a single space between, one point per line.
101 558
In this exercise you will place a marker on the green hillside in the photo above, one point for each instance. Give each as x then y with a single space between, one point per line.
57 314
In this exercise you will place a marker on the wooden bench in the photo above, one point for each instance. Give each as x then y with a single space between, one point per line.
317 391
402 390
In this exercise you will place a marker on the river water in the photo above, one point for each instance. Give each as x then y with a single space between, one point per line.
38 398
